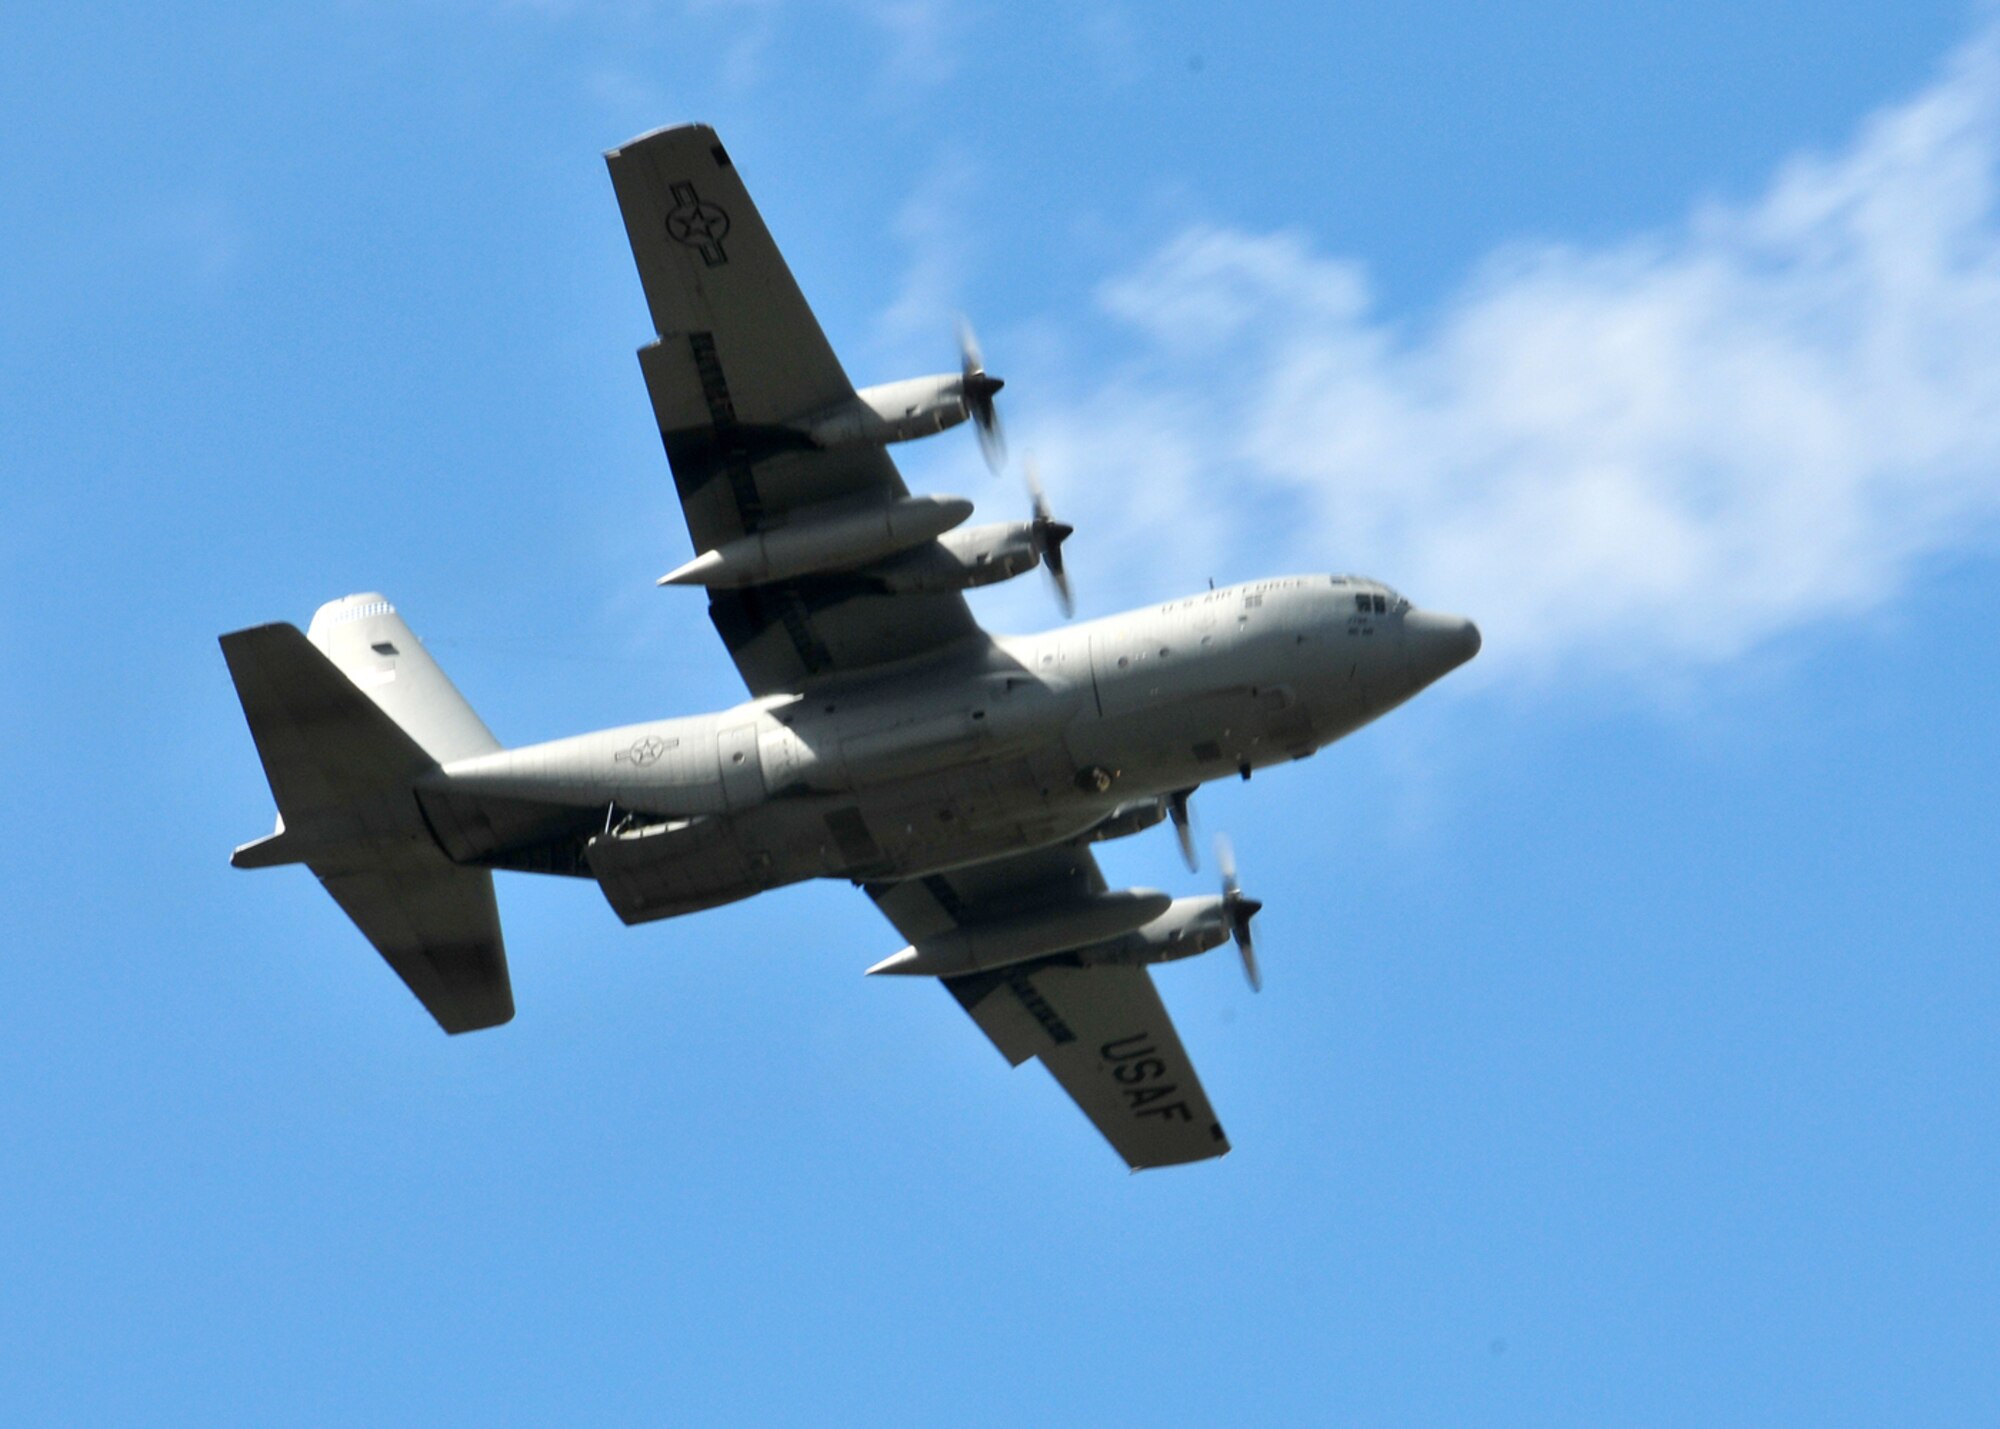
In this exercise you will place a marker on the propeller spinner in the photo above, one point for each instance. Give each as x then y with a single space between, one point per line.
1239 910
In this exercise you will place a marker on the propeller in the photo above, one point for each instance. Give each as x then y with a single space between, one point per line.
1239 911
1048 535
977 387
1177 808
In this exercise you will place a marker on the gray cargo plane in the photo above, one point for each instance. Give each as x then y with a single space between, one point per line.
959 777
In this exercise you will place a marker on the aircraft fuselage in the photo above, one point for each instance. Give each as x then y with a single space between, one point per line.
1028 741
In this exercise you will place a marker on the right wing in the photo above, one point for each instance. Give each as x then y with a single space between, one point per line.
739 362
1100 1029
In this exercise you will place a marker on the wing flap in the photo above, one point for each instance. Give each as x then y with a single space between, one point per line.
784 637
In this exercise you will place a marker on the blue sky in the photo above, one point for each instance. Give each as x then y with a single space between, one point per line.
1626 1053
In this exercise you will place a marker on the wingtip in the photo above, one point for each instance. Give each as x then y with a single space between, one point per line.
273 850
689 125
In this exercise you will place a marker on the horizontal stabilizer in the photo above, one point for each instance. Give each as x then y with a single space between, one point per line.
328 750
342 772
439 928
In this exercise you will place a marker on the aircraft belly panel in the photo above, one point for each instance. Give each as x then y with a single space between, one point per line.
681 865
742 771
973 812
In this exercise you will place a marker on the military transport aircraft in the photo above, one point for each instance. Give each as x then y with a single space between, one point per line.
959 777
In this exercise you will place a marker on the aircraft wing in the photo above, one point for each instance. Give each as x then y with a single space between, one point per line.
740 358
1101 1029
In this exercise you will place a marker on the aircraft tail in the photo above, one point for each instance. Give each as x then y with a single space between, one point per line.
346 718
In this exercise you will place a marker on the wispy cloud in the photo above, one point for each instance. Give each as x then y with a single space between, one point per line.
920 39
1655 455
931 227
745 31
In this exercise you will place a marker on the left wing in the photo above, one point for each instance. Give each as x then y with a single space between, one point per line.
739 364
1100 1028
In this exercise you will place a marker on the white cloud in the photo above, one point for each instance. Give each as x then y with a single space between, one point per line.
1654 456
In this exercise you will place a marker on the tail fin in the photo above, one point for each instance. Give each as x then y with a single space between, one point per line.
363 635
346 718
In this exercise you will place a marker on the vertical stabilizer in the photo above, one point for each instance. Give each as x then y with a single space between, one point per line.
368 641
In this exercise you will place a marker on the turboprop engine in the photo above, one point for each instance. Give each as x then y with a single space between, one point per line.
893 412
909 544
917 407
1187 926
963 559
1135 927
981 555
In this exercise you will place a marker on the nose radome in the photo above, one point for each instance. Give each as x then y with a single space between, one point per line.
1440 643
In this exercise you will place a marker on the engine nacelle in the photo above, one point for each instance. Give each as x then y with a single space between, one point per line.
1189 926
979 946
816 542
1136 927
1128 819
892 412
963 559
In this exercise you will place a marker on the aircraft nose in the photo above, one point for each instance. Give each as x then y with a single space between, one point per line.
1439 644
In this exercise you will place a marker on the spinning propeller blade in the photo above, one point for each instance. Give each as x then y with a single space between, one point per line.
1048 535
1177 808
978 387
1239 910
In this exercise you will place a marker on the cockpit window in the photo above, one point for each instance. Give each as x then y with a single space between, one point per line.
1378 601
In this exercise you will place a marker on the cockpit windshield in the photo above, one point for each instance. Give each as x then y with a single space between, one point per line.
1371 597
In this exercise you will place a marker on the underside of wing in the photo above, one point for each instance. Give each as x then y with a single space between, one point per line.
1104 1034
789 634
737 375
719 291
1095 1022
